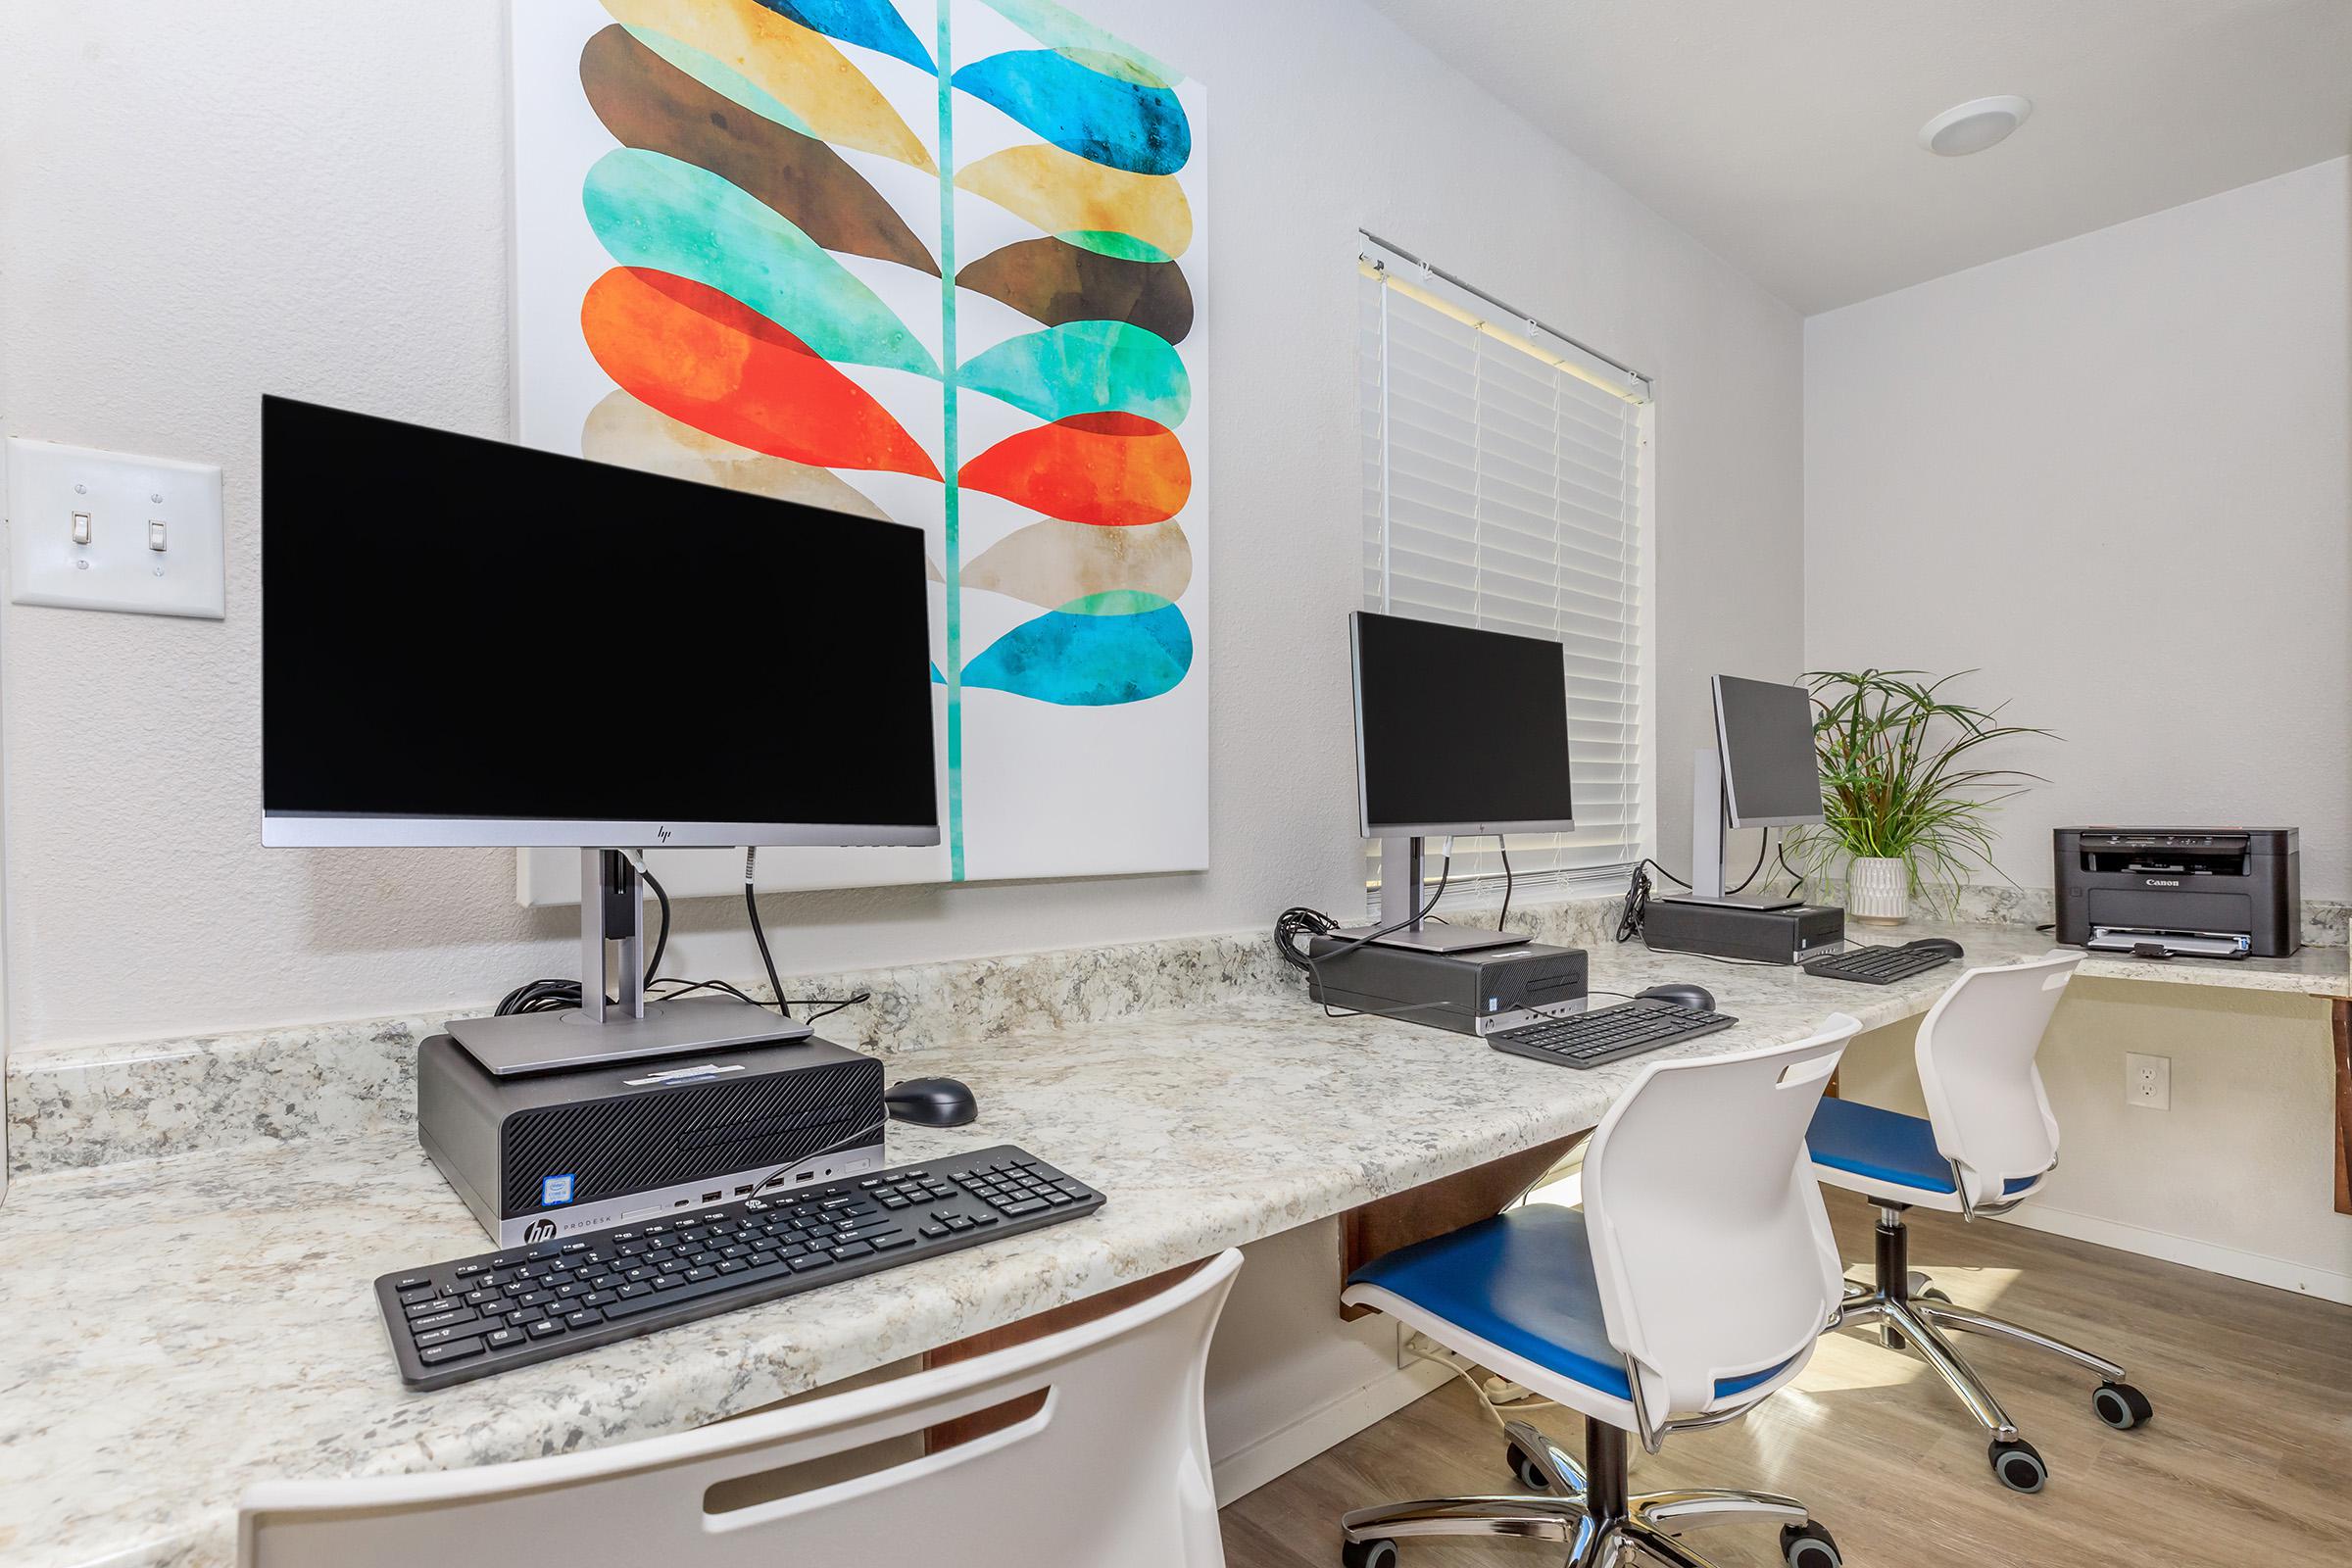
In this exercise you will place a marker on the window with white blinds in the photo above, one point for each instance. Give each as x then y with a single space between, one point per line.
1503 487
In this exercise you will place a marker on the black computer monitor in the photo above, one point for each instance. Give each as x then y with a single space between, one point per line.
467 641
1458 731
1764 733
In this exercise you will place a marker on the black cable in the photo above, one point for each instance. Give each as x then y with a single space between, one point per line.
1638 889
1763 843
871 1133
785 1003
1300 922
653 965
750 907
1796 879
1503 920
1637 902
830 1005
556 994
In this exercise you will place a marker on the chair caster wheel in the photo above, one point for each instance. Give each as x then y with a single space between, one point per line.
2121 1405
1381 1553
1809 1545
1531 1476
1933 1292
2018 1465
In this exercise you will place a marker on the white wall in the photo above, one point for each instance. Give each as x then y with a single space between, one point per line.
2112 473
2237 1176
205 202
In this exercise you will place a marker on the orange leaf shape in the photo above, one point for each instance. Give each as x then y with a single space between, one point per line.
1112 469
703 359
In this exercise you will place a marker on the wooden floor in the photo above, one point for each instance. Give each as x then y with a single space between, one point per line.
2247 1462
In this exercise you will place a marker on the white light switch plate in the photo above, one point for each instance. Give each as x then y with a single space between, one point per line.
51 487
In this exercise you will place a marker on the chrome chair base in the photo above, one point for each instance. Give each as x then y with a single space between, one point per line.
1585 1507
1909 1310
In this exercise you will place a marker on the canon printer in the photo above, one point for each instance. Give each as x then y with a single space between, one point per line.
2165 892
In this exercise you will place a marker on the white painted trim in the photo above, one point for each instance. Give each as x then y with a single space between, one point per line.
2211 1256
1285 1448
4 1025
1645 501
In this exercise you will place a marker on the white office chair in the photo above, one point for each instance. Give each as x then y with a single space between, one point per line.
1693 1285
1113 1469
1987 1143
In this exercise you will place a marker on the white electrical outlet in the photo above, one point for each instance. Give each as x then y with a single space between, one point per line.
99 530
2148 1080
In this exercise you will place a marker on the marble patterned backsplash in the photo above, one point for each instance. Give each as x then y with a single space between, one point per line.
86 1105
78 1106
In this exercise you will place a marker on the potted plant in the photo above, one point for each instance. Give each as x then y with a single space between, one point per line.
1902 799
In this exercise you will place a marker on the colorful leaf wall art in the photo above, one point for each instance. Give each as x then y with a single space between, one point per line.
937 260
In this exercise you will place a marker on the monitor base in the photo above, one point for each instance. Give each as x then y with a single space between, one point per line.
546 1042
1436 938
607 1028
1739 901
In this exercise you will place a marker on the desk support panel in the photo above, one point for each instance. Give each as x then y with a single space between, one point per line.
2340 1016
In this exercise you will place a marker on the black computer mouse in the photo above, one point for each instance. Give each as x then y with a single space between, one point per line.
1943 945
931 1102
1682 995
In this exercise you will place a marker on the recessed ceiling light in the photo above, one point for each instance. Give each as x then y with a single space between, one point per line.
1975 126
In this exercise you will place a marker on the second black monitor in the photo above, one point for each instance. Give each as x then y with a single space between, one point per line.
1764 731
1458 729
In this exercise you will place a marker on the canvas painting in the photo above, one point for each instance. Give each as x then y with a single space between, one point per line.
935 261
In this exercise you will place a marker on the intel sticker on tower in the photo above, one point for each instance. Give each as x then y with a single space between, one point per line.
555 1189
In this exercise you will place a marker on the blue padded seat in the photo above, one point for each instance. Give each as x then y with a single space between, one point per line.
1522 1281
1885 1146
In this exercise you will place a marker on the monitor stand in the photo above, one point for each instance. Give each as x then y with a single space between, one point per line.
604 1030
1710 817
1408 853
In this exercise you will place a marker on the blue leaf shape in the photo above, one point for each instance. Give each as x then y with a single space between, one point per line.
870 23
1081 660
1125 124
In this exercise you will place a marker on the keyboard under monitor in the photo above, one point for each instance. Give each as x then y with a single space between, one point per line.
472 1316
1878 966
1608 1034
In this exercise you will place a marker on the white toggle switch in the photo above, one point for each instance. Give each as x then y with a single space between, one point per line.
101 561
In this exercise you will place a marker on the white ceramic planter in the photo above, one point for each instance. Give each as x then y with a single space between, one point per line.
1878 891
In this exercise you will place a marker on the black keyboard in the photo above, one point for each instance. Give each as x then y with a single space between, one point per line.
1588 1038
476 1315
1878 966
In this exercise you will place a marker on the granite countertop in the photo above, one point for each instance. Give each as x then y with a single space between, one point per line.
179 1328
2308 971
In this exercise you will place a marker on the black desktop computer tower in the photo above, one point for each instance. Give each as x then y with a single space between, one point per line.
1742 931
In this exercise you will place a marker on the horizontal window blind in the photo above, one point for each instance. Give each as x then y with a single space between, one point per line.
1502 487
